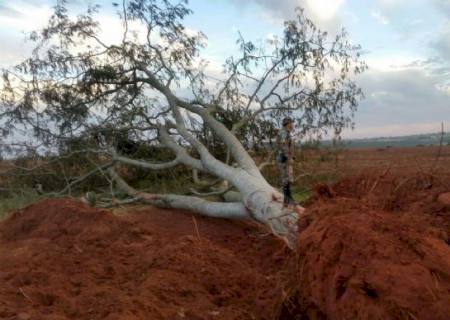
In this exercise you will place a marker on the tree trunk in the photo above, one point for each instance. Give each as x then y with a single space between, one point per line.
265 204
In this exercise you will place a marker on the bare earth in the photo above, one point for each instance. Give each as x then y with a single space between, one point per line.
376 245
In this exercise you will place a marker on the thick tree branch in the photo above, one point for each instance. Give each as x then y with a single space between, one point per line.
180 152
236 148
211 209
212 193
147 165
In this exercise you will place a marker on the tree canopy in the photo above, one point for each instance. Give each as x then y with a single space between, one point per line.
75 83
153 84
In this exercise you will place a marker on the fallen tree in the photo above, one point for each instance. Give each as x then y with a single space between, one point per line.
151 83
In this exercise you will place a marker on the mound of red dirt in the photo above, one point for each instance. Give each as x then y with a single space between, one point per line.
362 257
370 247
62 260
444 198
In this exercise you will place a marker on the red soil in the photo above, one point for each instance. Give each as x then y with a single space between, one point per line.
370 247
378 252
62 260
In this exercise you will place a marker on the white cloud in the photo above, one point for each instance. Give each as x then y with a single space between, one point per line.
326 13
390 62
416 22
325 10
379 94
6 11
379 17
445 88
14 27
30 18
391 4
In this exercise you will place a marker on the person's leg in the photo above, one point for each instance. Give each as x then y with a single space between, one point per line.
287 181
287 193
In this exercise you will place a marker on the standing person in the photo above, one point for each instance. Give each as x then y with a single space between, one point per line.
285 159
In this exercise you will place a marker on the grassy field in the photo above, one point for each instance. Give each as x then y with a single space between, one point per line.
10 204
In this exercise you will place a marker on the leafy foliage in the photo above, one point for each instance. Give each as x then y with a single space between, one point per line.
76 84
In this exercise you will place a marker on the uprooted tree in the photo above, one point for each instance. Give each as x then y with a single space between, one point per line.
152 84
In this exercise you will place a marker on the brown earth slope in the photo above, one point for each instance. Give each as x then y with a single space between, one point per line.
375 247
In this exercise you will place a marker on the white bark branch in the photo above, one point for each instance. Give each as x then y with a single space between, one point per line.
209 162
212 193
237 150
239 153
148 165
231 210
180 152
207 208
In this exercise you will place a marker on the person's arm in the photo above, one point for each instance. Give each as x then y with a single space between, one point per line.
292 148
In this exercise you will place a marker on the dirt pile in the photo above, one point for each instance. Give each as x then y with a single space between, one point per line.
62 260
444 199
375 246
378 252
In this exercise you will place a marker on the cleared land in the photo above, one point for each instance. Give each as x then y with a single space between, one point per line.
374 245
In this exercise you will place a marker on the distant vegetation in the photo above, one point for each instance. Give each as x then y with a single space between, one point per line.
419 140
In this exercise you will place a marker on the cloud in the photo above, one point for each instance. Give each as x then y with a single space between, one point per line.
391 4
431 36
20 8
442 43
324 12
407 92
443 6
379 17
402 101
7 11
25 17
410 19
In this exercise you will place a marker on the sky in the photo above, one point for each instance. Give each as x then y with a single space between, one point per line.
406 44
